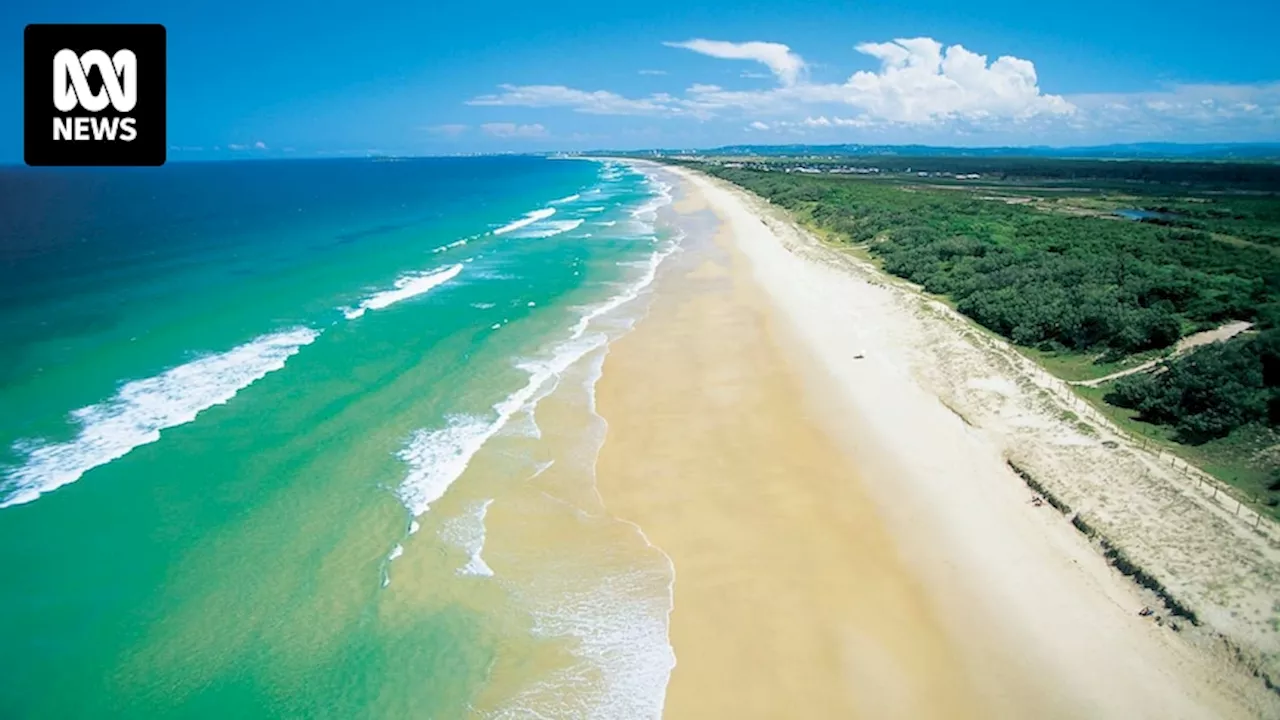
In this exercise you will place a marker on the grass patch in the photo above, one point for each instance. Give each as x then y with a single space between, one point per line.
1077 366
1243 460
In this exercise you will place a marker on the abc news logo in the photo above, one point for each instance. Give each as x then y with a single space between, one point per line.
107 105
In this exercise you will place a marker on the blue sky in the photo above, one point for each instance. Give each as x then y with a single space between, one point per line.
300 79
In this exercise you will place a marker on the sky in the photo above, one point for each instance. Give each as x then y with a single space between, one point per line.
301 79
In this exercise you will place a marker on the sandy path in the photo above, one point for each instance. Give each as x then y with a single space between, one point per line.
845 545
1186 344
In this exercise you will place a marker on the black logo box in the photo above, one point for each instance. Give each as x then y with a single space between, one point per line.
42 42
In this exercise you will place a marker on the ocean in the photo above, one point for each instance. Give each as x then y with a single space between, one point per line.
316 438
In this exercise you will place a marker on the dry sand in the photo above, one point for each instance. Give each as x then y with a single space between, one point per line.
845 544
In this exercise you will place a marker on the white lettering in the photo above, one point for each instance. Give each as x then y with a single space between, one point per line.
62 128
105 127
82 128
127 131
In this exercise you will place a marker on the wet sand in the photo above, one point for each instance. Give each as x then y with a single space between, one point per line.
790 599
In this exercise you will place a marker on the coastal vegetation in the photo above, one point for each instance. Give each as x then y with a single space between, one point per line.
1087 278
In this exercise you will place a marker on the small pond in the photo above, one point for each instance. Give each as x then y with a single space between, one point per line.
1136 214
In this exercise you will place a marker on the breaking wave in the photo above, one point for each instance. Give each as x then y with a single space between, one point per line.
140 409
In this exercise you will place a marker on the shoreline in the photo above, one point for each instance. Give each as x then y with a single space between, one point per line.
1016 614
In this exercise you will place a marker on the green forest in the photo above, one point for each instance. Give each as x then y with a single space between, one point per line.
1065 279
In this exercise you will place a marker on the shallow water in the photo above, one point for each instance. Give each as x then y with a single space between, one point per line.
280 439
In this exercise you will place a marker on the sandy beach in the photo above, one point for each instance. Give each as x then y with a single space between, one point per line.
845 542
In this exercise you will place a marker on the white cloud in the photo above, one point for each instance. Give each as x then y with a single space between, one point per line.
786 65
823 122
920 82
512 130
920 85
235 146
1204 111
448 130
757 125
598 102
653 72
259 145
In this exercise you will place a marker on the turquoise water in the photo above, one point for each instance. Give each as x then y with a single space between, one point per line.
257 421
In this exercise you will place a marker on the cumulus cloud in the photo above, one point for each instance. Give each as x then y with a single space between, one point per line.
757 125
920 82
785 65
259 145
598 102
653 72
512 130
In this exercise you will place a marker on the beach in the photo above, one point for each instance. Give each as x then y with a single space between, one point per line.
844 542
584 438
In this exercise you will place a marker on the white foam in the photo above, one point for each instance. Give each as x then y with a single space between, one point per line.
550 228
140 409
467 532
620 625
648 211
528 219
564 200
406 286
452 245
438 457
482 305
632 291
